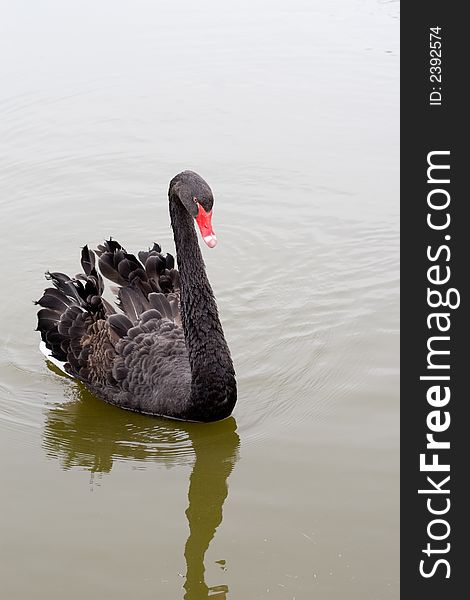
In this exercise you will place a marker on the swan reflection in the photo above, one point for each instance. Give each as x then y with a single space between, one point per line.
88 433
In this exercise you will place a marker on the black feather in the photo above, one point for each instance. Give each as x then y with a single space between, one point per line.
152 313
160 303
108 268
54 299
88 260
120 324
170 261
154 265
47 319
133 302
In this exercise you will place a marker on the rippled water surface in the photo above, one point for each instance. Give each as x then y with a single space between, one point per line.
289 110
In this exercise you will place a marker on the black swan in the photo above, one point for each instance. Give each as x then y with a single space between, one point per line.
164 353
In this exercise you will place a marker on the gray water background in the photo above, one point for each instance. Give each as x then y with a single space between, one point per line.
290 111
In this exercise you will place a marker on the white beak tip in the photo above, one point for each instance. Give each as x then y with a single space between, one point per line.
210 240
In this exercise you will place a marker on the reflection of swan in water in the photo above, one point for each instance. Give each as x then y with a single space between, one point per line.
87 432
215 458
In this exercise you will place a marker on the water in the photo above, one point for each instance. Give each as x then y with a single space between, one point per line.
290 112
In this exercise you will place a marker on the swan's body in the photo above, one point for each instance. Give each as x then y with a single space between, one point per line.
165 354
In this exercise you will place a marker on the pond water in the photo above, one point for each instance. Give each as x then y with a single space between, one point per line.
290 111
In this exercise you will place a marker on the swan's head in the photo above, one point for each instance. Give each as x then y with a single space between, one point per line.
196 196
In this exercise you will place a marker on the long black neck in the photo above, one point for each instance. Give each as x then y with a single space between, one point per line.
213 387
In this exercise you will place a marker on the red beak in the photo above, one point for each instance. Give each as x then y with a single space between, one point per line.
204 220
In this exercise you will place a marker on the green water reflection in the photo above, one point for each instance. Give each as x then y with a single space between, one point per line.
85 432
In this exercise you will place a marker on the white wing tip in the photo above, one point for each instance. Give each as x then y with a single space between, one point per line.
47 353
